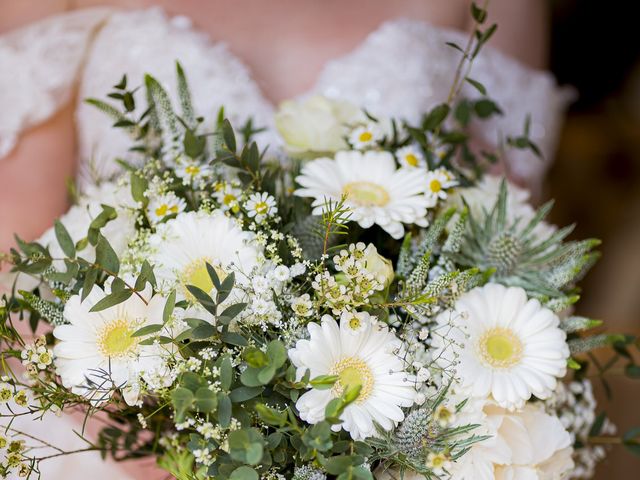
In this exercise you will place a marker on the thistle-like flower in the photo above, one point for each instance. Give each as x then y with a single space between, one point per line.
518 256
416 432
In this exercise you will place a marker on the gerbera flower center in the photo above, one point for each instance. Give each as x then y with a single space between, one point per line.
353 372
500 348
196 274
115 340
412 160
435 185
366 194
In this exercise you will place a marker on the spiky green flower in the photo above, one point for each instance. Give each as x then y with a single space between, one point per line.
416 433
547 268
307 472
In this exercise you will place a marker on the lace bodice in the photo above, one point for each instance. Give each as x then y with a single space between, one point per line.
400 70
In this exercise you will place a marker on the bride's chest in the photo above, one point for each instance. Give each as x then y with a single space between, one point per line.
399 70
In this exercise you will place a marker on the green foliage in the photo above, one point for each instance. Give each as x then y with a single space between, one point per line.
547 268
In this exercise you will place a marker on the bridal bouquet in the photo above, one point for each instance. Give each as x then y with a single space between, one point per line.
369 304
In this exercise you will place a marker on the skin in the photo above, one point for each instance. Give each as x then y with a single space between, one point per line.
273 45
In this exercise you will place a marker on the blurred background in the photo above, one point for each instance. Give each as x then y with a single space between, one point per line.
596 177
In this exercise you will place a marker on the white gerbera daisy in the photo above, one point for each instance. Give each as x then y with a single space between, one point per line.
165 205
362 353
366 136
376 190
438 181
261 206
184 245
411 157
97 352
504 345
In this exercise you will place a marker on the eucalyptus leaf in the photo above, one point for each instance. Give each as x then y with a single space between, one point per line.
64 239
111 300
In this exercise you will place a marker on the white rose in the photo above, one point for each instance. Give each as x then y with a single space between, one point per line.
316 126
379 266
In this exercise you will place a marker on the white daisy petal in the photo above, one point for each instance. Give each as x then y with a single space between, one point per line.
513 346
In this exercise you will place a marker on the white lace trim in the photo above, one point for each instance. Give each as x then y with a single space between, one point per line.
38 68
401 70
148 41
405 68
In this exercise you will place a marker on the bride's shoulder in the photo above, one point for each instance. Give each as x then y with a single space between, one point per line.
38 66
406 67
83 53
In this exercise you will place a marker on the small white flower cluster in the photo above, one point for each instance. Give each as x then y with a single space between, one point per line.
36 356
353 286
262 310
575 406
307 472
14 459
8 393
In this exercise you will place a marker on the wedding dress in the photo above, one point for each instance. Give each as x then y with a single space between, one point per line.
400 70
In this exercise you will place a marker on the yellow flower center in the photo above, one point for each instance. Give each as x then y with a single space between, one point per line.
354 323
353 372
437 461
365 137
500 348
444 415
229 199
196 274
165 209
192 170
366 194
435 186
261 208
115 340
411 159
